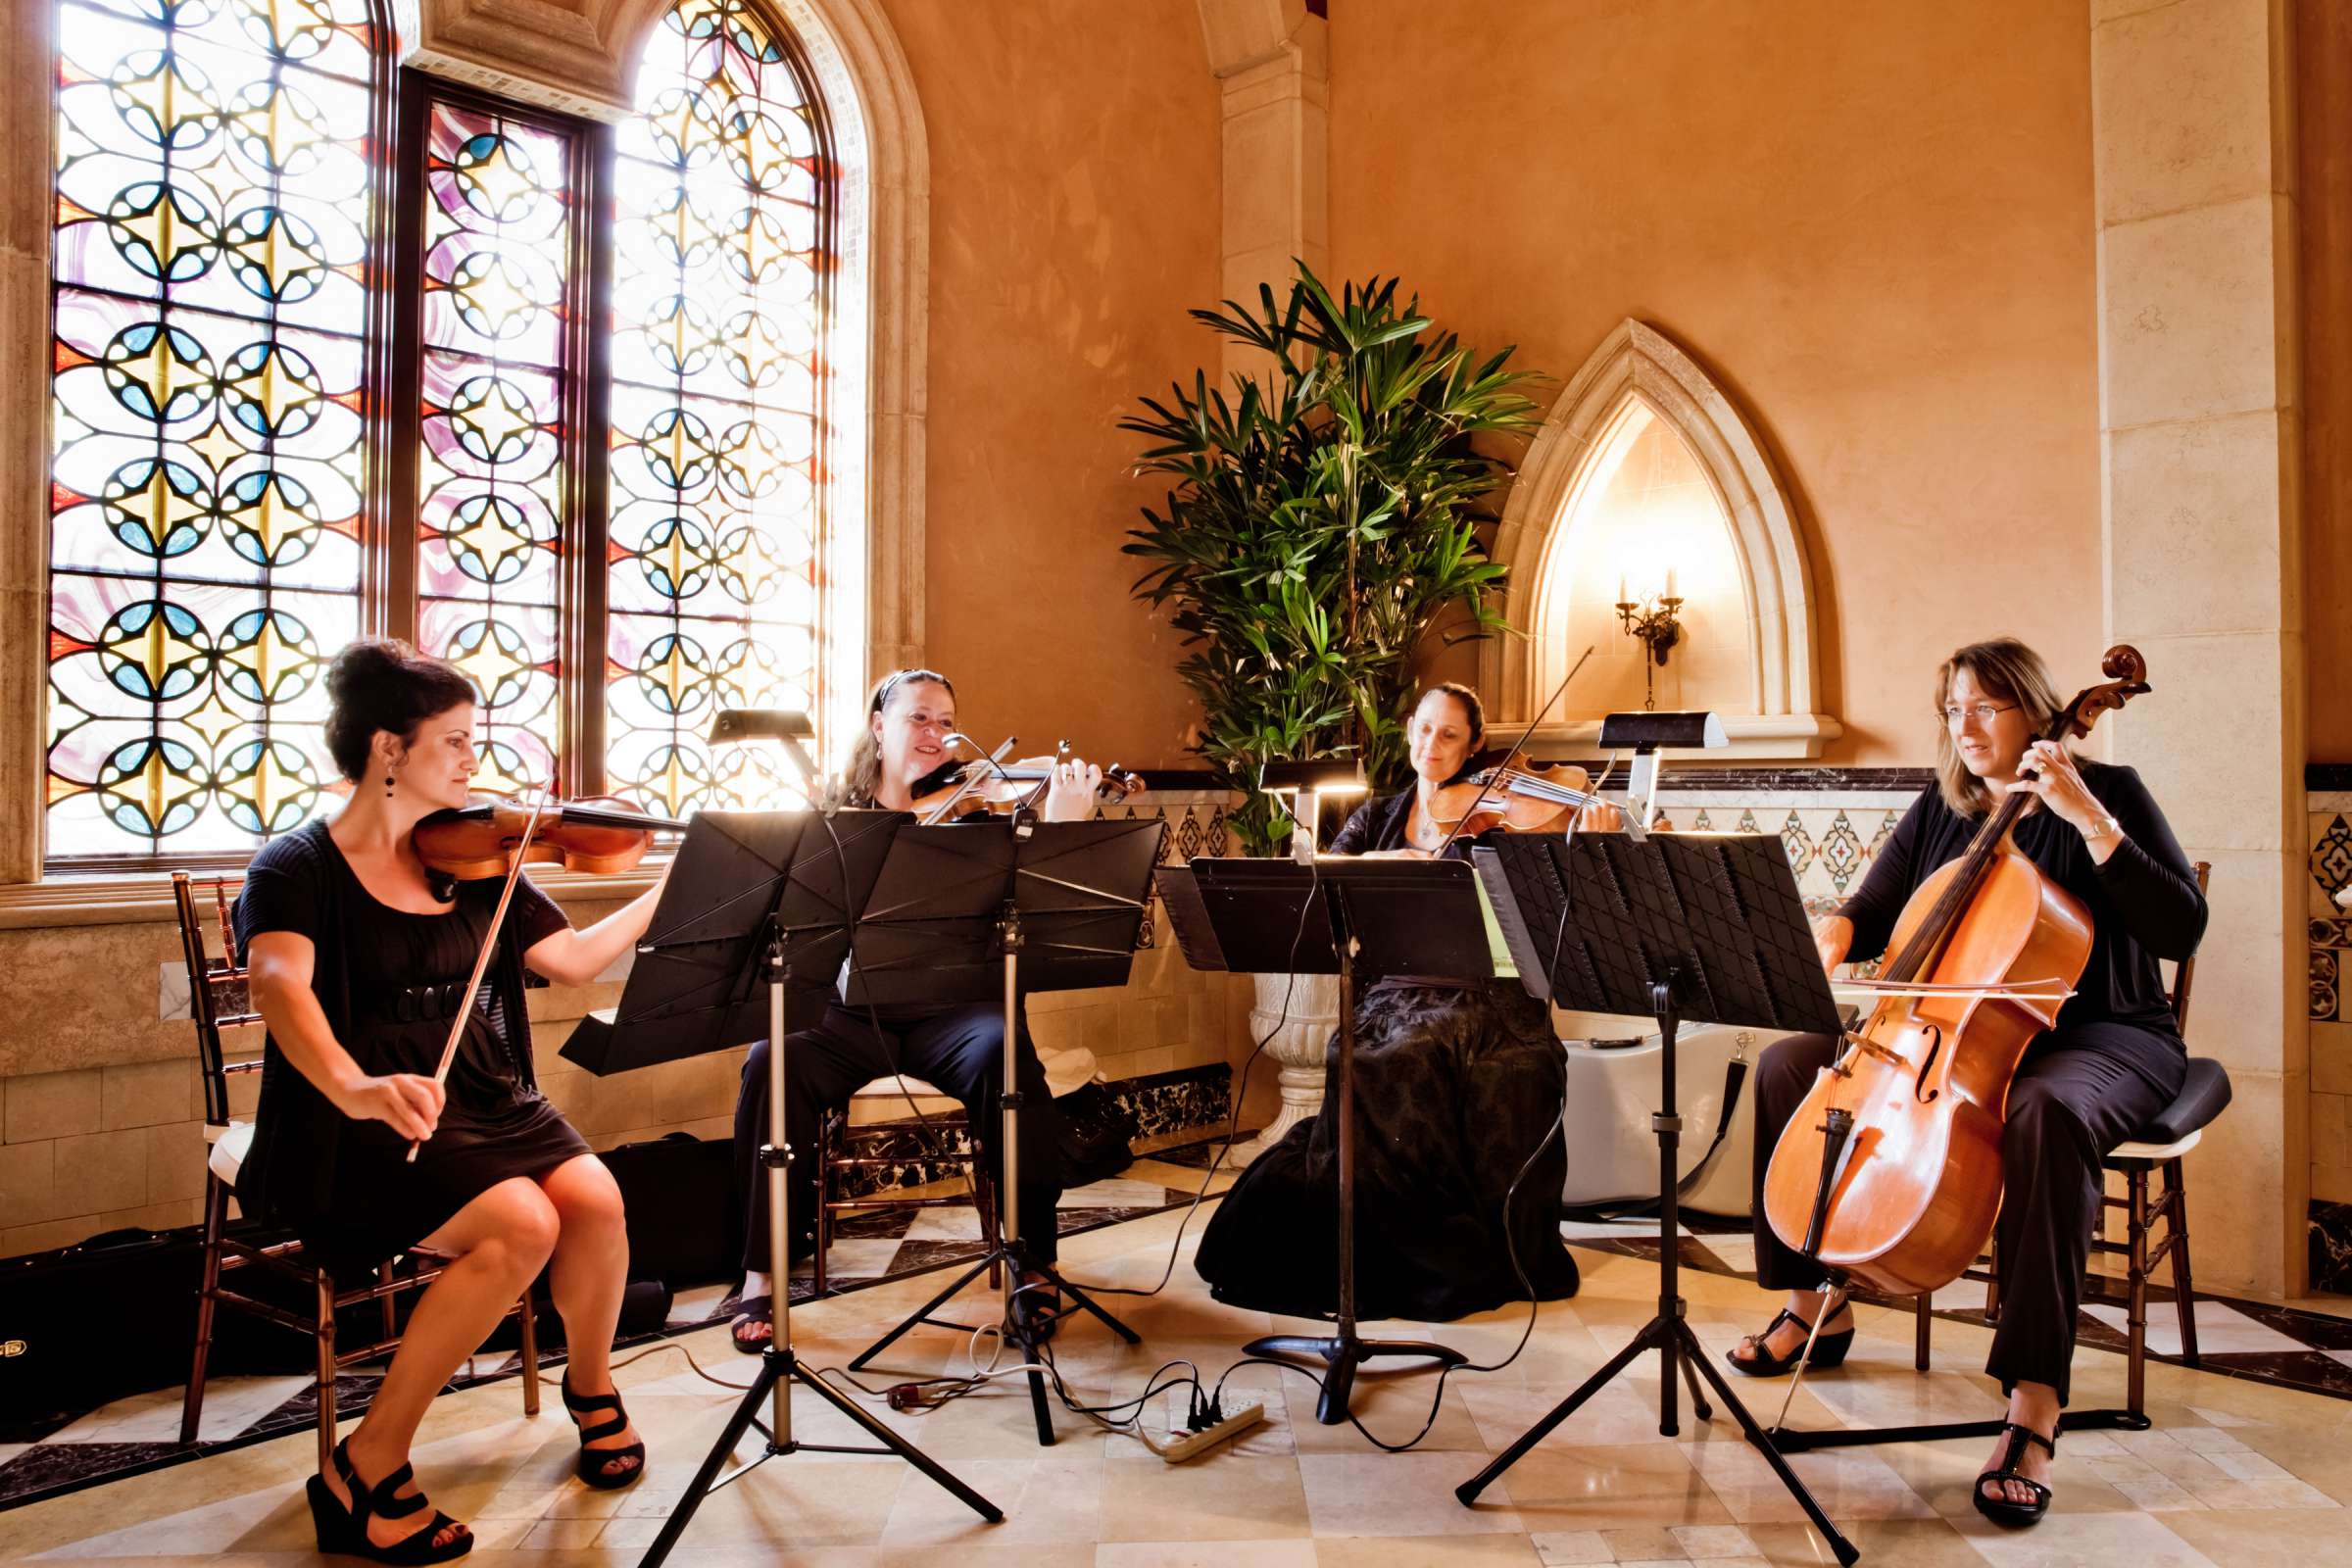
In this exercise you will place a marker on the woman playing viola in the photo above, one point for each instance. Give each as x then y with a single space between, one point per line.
359 959
2113 1061
1457 1084
904 756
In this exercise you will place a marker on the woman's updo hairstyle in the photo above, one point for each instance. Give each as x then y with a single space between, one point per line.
384 683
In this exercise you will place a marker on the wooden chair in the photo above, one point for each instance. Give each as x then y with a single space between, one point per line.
218 999
833 1158
2162 1145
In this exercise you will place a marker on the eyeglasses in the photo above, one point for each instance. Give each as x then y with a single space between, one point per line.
1983 713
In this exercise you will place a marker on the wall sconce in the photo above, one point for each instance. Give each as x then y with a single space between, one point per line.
1654 620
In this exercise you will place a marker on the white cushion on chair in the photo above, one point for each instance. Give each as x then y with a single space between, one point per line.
230 1145
898 1087
2155 1154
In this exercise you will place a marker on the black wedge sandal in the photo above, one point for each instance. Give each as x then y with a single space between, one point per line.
344 1529
595 1466
2000 1510
1828 1350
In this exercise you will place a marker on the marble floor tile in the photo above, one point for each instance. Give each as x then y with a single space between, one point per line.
1298 1554
1146 1499
1400 1495
1457 1551
1119 1193
2222 1330
957 1224
1847 1483
2070 1541
2264 1538
1637 1486
230 1405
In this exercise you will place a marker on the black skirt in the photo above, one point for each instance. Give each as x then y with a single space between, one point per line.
1459 1091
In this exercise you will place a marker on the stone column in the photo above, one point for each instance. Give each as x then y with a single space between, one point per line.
2193 137
1273 58
27 83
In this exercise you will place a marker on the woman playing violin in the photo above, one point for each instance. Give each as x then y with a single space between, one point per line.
905 757
1457 1084
358 963
2114 1061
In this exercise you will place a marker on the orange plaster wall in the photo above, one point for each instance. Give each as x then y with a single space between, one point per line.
1873 224
2325 100
1074 220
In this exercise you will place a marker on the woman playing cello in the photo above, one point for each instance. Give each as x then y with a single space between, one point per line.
2113 1060
359 959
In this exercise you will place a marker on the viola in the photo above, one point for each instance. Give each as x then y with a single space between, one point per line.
991 787
598 834
1890 1173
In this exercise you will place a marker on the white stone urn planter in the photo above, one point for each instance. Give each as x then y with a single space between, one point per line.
1297 1047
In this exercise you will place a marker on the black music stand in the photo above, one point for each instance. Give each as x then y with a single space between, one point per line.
969 910
1706 926
751 928
1278 916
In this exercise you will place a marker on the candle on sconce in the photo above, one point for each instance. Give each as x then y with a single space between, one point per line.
1670 582
1621 599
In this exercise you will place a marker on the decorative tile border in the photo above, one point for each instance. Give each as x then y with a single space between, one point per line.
2331 1231
2329 866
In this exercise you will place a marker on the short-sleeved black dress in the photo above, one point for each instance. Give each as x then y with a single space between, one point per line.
390 992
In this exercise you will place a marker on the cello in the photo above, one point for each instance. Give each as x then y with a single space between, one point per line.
1900 1188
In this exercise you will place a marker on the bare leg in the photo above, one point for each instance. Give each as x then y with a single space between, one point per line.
591 1271
499 1241
1785 1340
2030 1405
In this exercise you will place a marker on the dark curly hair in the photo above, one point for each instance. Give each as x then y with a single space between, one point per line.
384 683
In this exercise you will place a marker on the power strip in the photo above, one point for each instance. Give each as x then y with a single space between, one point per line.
1193 1444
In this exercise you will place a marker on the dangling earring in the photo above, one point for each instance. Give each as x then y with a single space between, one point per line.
387 786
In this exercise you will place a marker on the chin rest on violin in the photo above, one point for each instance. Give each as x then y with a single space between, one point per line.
476 841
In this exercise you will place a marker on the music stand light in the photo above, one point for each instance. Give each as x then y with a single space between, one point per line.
1646 734
1329 775
783 725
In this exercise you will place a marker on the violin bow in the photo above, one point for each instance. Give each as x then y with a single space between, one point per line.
1517 746
481 959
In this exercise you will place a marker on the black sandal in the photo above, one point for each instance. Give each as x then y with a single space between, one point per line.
2000 1510
595 1466
1828 1350
344 1529
756 1309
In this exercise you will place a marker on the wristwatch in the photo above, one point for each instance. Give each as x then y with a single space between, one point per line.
2103 826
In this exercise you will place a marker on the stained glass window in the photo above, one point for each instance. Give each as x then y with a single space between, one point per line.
495 508
211 225
719 291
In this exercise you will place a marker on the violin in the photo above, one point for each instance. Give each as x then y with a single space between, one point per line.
1528 798
986 786
1890 1173
471 842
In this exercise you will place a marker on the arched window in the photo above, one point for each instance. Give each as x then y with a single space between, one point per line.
723 274
211 258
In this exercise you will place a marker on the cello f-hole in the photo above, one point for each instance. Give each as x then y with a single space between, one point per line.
1919 1089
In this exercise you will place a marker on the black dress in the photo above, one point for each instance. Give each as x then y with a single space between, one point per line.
390 982
1456 1086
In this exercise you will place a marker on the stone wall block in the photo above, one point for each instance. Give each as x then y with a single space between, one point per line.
2201 501
2190 318
99 1171
42 1106
2183 96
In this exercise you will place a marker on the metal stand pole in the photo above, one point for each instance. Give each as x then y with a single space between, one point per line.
779 1367
1010 1250
1344 1351
1669 1332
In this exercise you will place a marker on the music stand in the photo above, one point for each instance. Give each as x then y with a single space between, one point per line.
969 910
1277 917
1701 926
754 918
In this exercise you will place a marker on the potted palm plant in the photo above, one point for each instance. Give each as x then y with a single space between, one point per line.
1322 522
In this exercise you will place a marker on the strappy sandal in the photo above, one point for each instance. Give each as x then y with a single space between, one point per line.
344 1529
1828 1350
2000 1510
753 1309
595 1466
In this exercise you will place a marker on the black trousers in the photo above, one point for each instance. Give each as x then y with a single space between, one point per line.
960 1049
2080 1091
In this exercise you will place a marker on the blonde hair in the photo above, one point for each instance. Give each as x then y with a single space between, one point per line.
2008 672
863 774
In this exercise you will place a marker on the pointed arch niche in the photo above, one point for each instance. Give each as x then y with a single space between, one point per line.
1645 465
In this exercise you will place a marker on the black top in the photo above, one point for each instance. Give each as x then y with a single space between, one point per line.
1379 824
2143 901
387 981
